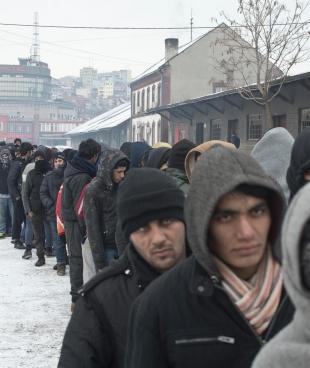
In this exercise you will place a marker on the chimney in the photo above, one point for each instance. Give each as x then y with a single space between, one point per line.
171 47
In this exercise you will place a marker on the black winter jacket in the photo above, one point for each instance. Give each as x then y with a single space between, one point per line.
49 190
197 325
15 177
100 206
31 189
77 174
96 334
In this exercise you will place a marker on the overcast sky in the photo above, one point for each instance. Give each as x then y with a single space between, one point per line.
67 51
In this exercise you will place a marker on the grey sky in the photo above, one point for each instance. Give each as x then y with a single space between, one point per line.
67 51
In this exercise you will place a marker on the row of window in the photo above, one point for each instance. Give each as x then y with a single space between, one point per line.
150 133
255 125
21 128
54 116
146 98
56 127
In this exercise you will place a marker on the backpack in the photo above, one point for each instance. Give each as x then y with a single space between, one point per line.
59 219
79 206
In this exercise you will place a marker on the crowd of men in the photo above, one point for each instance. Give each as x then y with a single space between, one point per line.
182 256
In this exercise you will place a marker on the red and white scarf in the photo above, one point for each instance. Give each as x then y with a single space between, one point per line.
257 299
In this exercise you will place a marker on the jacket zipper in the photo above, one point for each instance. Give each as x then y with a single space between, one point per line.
274 319
204 340
217 284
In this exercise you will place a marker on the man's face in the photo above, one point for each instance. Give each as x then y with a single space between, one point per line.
238 232
58 162
307 175
161 243
118 174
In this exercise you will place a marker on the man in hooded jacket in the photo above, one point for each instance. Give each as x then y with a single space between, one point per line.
15 188
79 172
48 194
100 206
290 348
150 210
33 205
219 307
6 208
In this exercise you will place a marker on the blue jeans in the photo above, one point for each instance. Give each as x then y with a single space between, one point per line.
6 208
59 243
28 233
48 234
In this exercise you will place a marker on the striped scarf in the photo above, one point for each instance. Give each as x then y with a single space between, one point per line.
257 299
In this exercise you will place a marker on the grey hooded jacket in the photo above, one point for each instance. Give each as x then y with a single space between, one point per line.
273 153
100 206
182 316
223 170
291 347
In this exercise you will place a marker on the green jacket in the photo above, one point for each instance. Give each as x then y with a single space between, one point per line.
180 177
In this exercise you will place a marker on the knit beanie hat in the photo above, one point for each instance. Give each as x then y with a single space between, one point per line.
59 155
178 154
146 195
24 148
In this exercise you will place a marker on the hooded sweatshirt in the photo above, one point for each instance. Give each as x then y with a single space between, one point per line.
273 152
236 168
193 154
100 206
300 161
181 318
5 158
290 348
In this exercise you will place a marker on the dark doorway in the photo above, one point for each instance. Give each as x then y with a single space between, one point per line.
280 121
232 128
199 133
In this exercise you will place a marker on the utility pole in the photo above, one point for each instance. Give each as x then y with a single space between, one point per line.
191 22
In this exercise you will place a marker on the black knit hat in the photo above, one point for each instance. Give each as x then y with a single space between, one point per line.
24 148
178 153
146 195
59 155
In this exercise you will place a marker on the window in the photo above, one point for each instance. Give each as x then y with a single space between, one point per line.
304 119
255 127
138 99
215 129
143 100
153 93
133 103
148 101
158 95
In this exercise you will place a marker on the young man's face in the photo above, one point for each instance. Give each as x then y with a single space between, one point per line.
238 232
58 162
118 174
161 243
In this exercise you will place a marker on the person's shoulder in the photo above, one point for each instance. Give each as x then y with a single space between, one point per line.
106 277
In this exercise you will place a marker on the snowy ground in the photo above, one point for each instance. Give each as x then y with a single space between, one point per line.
34 310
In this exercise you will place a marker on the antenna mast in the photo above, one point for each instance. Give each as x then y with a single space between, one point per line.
192 23
35 47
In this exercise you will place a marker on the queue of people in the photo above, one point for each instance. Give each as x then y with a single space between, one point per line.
182 256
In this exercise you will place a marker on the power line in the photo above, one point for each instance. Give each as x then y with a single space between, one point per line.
138 28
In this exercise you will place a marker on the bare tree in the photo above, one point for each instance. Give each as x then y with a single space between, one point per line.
269 39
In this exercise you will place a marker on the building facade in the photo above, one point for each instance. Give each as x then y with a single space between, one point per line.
218 115
187 72
27 105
